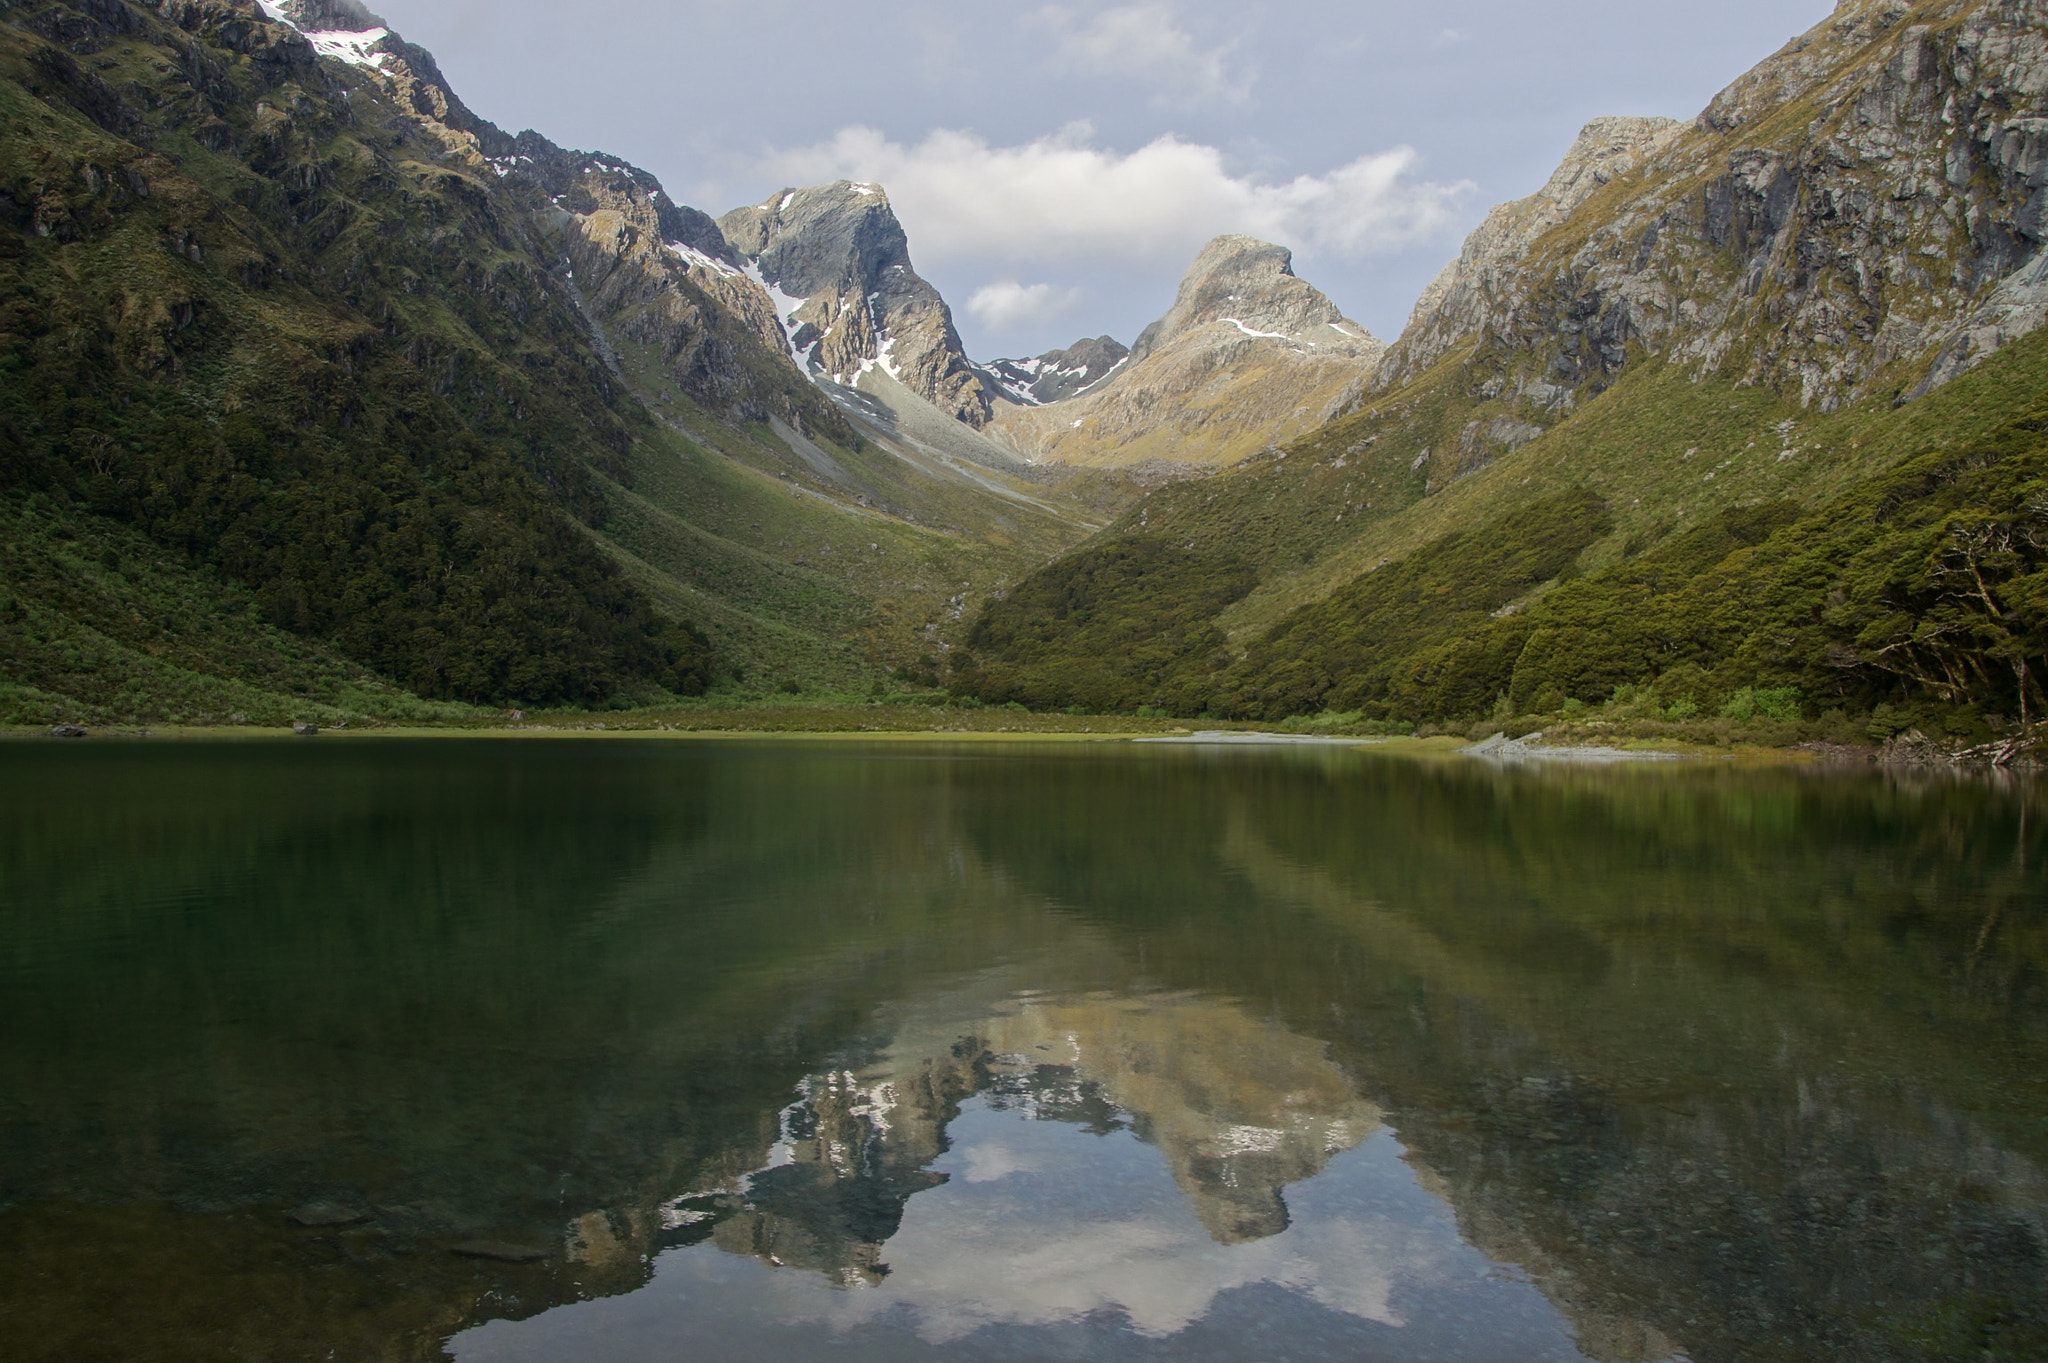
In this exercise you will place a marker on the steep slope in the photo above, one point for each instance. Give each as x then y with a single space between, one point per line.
220 329
1057 374
839 265
288 324
1248 355
1787 302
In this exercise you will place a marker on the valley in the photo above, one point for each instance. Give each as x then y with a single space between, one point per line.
327 396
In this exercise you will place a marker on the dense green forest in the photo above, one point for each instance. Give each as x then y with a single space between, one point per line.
223 326
1918 598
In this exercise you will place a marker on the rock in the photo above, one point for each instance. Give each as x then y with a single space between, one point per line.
663 276
304 730
1057 374
1896 211
1247 286
848 297
321 1215
499 1251
68 731
1249 356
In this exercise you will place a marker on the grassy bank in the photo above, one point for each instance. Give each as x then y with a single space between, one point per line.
733 715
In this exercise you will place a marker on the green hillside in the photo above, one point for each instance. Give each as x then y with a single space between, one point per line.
300 414
1494 598
1715 432
219 327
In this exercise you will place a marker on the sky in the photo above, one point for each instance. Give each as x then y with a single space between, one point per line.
1057 166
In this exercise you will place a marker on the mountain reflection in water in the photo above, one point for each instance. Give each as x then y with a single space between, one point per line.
770 1050
1107 1164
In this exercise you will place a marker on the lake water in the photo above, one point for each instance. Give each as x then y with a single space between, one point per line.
632 1050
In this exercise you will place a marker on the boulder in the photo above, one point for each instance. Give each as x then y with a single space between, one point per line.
499 1251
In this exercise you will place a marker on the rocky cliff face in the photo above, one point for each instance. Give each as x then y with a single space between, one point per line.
635 263
1860 216
838 266
1454 305
648 271
1057 374
1249 354
1777 305
1249 286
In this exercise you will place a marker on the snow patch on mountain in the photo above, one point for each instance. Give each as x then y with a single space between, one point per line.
701 260
786 308
1056 375
353 48
1259 335
1107 375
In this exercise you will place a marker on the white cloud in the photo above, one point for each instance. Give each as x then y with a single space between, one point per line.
1007 305
1063 200
1145 42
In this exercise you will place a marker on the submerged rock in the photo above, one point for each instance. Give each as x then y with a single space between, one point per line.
503 1253
325 1214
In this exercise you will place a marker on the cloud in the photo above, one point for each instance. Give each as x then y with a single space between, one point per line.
1007 305
1062 200
1145 42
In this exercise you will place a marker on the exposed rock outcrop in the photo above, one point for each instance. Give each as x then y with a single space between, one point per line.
639 266
1860 216
662 275
838 264
1454 305
1248 355
1249 286
1057 374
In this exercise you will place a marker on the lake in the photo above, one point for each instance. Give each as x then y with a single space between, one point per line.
707 1050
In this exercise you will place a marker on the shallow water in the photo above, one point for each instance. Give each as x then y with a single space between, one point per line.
788 1051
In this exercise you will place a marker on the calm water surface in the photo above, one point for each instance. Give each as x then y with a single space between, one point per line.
694 1051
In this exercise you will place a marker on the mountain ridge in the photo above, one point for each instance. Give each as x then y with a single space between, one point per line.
1057 374
470 415
1767 306
838 263
1249 354
491 419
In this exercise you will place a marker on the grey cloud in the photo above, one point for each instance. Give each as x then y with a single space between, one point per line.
711 95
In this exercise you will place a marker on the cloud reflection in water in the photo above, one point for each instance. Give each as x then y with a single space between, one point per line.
1007 1173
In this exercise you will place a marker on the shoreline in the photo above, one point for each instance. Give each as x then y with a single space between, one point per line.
1498 750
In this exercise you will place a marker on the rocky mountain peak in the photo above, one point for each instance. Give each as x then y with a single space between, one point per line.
1447 312
837 263
1860 216
323 16
1248 355
808 241
1605 148
1056 374
1251 285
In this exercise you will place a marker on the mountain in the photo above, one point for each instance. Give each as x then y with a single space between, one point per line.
327 397
1248 355
1057 374
1736 408
838 265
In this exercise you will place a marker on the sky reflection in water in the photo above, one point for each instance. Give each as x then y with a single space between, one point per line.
1057 1224
780 1051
